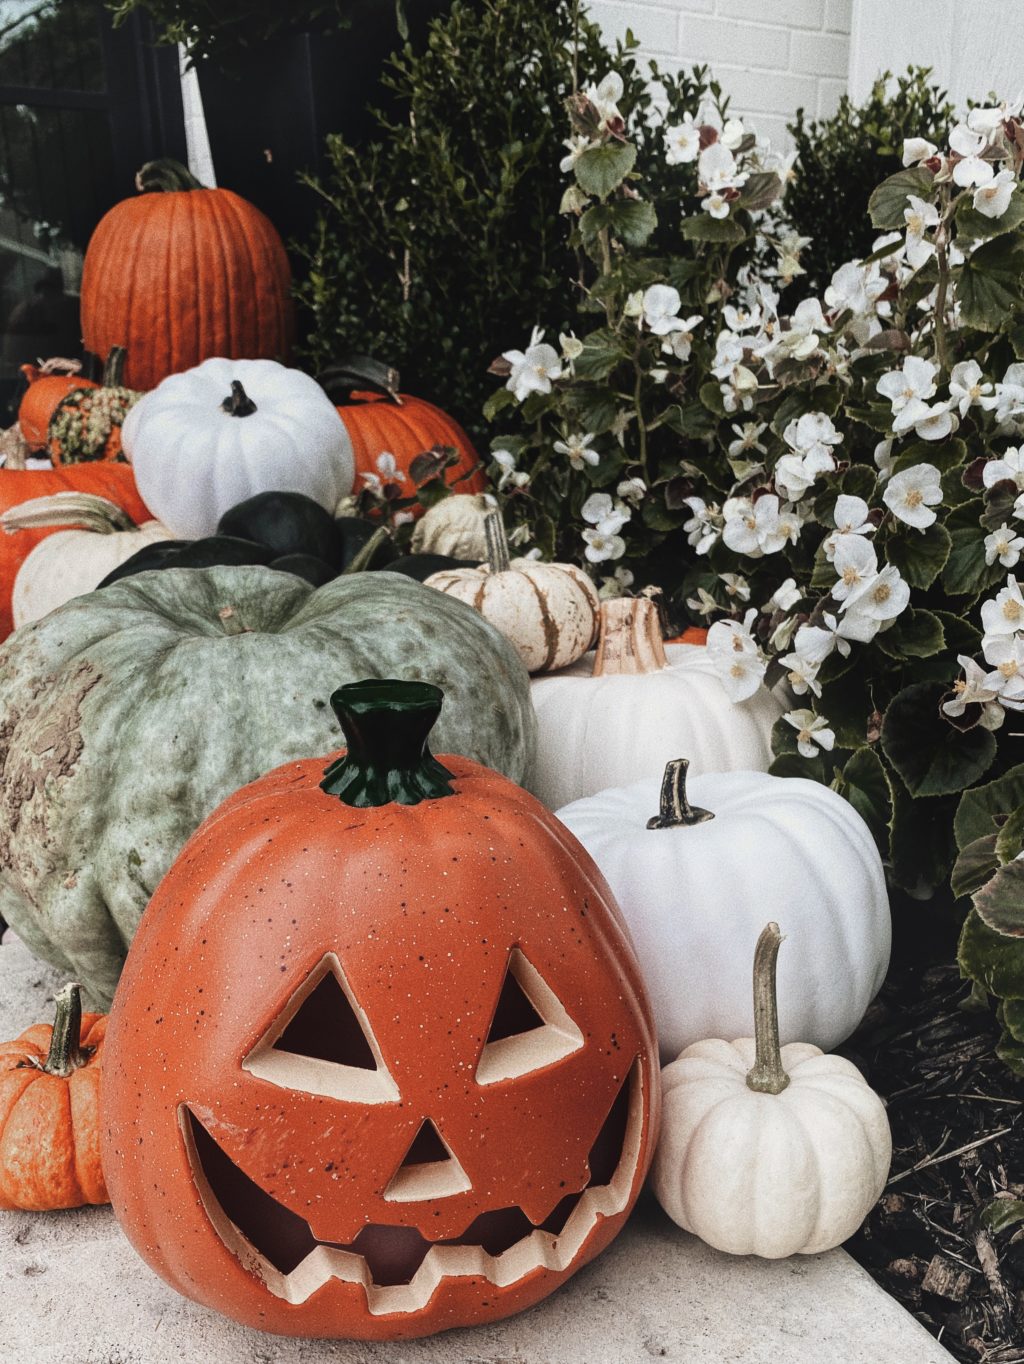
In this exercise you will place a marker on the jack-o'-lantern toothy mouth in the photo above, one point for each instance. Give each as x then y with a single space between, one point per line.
398 1267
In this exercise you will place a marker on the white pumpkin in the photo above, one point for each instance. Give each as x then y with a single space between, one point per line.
70 563
548 612
765 1150
621 713
695 889
455 526
204 440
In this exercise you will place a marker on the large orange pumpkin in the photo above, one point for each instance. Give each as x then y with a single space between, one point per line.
180 274
48 384
116 482
380 420
380 1062
50 1111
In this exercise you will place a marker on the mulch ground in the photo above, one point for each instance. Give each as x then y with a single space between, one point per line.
947 1237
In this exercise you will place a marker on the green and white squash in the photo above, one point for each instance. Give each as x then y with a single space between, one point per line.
127 715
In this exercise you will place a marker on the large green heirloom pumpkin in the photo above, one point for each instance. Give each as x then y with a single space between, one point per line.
127 715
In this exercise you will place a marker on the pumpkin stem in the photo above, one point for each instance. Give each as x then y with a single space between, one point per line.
498 560
238 403
66 1052
362 561
165 175
232 622
629 639
386 725
766 1074
113 370
675 810
92 513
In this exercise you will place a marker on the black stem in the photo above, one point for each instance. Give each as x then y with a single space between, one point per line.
165 175
675 810
238 403
386 725
113 370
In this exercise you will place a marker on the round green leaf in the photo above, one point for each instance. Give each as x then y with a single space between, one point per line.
1000 901
932 757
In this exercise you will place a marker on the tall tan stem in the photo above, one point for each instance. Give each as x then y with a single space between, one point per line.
630 638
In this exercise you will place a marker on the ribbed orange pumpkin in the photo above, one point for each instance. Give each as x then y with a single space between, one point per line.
113 481
50 1111
48 384
181 274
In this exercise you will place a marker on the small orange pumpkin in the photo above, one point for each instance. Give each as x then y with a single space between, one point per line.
50 1111
48 384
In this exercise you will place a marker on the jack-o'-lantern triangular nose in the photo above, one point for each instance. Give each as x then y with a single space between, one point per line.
429 1169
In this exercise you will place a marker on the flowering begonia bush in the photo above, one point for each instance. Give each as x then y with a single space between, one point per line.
838 493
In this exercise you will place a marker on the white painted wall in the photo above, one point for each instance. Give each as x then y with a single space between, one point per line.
770 56
973 48
197 141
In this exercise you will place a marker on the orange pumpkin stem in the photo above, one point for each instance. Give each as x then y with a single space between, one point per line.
675 810
767 1075
630 638
66 1052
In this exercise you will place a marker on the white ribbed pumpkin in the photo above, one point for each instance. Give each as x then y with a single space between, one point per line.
71 562
548 612
768 1151
695 892
454 526
205 440
621 713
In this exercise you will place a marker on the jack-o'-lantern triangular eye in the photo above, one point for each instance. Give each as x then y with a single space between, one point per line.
322 1042
530 1028
429 1169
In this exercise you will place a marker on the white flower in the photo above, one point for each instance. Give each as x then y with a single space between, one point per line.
701 529
660 305
816 642
605 98
747 439
1006 655
795 474
631 489
739 389
1002 615
506 462
970 169
761 527
855 287
989 118
1005 545
634 304
1009 396
680 342
910 495
917 149
812 732
577 145
851 518
737 659
682 142
920 216
967 387
599 510
733 133
915 380
603 543
882 597
735 586
533 369
930 423
884 458
716 205
993 199
812 434
577 449
614 586
729 351
740 319
718 170
856 563
1009 468
784 598
572 346
801 674
974 689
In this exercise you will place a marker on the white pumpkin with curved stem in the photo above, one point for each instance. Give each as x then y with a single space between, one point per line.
547 612
205 440
71 562
695 889
621 713
765 1150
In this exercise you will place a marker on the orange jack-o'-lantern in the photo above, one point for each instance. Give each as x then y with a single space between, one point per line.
380 1062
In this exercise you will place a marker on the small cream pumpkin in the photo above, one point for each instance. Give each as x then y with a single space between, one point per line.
765 1150
71 562
625 711
455 526
548 612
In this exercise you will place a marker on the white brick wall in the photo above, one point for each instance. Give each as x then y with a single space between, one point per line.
770 56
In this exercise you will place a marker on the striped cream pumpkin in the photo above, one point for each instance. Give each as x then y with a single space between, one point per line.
548 612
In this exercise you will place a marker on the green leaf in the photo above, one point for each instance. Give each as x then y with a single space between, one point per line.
602 351
942 455
703 228
921 842
599 170
989 289
1013 1018
889 201
796 765
1000 902
994 961
916 634
630 220
1011 1052
866 785
1010 840
966 573
975 865
971 223
1001 1213
497 402
982 810
920 557
711 397
760 191
932 757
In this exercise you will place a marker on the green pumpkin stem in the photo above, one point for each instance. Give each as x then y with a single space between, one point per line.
674 809
66 1052
386 725
766 1075
165 176
238 403
498 560
113 370
231 622
361 562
